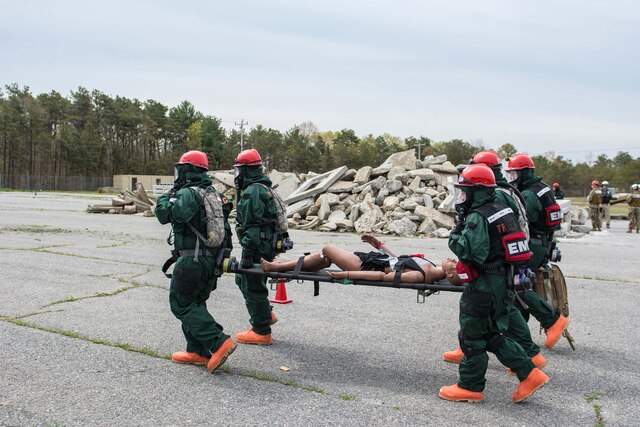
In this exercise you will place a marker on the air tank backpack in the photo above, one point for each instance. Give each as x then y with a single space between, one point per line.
214 217
281 240
215 234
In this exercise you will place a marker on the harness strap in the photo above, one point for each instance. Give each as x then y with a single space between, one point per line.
168 263
198 252
175 254
298 267
405 262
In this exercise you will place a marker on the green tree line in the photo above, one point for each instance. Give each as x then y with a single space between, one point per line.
90 133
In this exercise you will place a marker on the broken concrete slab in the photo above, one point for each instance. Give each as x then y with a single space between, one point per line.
407 159
301 206
342 187
363 174
225 178
316 185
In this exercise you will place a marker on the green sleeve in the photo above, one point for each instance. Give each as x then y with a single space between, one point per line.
473 243
177 209
533 205
251 209
162 209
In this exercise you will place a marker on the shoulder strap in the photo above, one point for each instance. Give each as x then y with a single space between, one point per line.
405 262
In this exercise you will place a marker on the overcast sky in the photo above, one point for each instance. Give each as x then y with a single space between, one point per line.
559 76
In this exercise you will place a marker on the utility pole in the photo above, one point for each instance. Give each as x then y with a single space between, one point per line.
419 144
242 125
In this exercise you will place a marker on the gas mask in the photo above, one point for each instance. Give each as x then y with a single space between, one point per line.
179 176
238 179
512 176
460 196
463 199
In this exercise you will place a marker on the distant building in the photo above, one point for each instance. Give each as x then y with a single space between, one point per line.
148 181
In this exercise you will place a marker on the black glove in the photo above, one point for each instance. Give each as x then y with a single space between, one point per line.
178 184
458 227
461 214
247 258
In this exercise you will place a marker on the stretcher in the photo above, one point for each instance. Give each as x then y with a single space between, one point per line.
424 289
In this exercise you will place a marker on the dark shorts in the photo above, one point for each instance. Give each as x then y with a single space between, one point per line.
373 261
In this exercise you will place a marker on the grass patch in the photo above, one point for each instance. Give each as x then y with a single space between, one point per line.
66 299
617 209
154 353
601 278
72 334
396 407
314 389
115 245
592 399
345 396
46 251
98 295
35 229
261 376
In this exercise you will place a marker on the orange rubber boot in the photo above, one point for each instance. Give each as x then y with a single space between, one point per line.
220 356
274 318
529 385
555 331
454 356
457 394
538 360
188 357
250 337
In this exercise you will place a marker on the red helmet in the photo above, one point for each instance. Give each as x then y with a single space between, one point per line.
556 185
520 161
595 182
248 158
195 158
489 158
474 175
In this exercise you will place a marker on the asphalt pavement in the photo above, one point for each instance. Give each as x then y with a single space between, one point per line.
86 330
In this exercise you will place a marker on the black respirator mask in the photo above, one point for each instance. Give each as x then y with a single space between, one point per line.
238 177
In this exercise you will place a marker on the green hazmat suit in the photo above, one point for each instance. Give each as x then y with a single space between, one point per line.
484 305
518 328
193 281
538 307
256 214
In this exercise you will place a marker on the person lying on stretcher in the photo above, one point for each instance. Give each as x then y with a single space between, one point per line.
374 266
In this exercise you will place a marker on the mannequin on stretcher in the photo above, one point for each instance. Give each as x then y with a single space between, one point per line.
381 265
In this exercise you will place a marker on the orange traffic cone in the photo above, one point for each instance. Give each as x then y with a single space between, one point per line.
281 293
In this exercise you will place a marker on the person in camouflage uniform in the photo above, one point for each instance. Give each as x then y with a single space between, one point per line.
633 200
595 204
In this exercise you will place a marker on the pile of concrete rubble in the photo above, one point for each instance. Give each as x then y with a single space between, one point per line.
403 196
128 202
